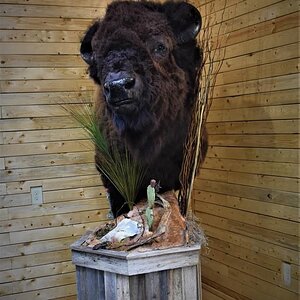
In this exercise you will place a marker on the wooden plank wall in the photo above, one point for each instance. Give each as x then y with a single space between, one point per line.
41 146
247 197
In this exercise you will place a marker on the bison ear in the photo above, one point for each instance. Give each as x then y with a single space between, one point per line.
86 50
185 20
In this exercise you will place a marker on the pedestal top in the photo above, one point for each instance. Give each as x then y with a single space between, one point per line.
134 262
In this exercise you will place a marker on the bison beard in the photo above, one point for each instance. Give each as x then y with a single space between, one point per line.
144 57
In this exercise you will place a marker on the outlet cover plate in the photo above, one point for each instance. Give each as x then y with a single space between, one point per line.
36 195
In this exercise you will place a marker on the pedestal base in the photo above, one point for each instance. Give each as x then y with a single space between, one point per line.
170 274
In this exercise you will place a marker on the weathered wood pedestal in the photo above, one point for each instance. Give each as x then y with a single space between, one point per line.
171 274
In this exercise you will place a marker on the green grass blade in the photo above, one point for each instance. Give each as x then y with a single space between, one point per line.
120 168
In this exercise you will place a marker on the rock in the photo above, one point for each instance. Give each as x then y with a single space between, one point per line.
126 228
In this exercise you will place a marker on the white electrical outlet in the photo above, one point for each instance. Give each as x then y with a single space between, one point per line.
36 195
286 273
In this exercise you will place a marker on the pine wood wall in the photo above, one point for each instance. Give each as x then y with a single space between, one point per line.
247 197
40 146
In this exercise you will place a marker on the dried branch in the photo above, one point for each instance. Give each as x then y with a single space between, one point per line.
213 57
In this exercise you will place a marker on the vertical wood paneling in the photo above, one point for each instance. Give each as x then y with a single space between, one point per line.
41 147
247 195
171 284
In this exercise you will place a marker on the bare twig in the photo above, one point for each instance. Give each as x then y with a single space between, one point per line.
213 57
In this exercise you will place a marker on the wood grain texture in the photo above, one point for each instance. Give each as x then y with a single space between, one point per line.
109 274
22 10
42 73
136 263
88 3
39 23
247 194
41 69
37 36
41 60
16 99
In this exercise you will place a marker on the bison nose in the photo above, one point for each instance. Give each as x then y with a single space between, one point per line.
118 89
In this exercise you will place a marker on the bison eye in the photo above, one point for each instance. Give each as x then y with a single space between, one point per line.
160 49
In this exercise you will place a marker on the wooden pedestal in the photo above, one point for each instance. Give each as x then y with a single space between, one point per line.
170 274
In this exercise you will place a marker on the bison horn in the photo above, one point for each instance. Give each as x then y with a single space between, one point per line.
86 50
185 20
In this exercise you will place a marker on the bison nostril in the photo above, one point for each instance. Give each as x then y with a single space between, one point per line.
118 88
129 83
106 87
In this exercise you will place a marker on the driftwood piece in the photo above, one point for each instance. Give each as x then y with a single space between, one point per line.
169 228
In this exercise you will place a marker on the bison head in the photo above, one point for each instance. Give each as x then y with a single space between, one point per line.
144 57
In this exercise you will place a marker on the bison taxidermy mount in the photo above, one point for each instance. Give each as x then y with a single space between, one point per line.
144 57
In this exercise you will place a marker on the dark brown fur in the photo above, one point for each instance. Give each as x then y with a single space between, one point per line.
154 44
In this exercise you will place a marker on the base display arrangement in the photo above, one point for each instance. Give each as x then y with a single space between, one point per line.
127 259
